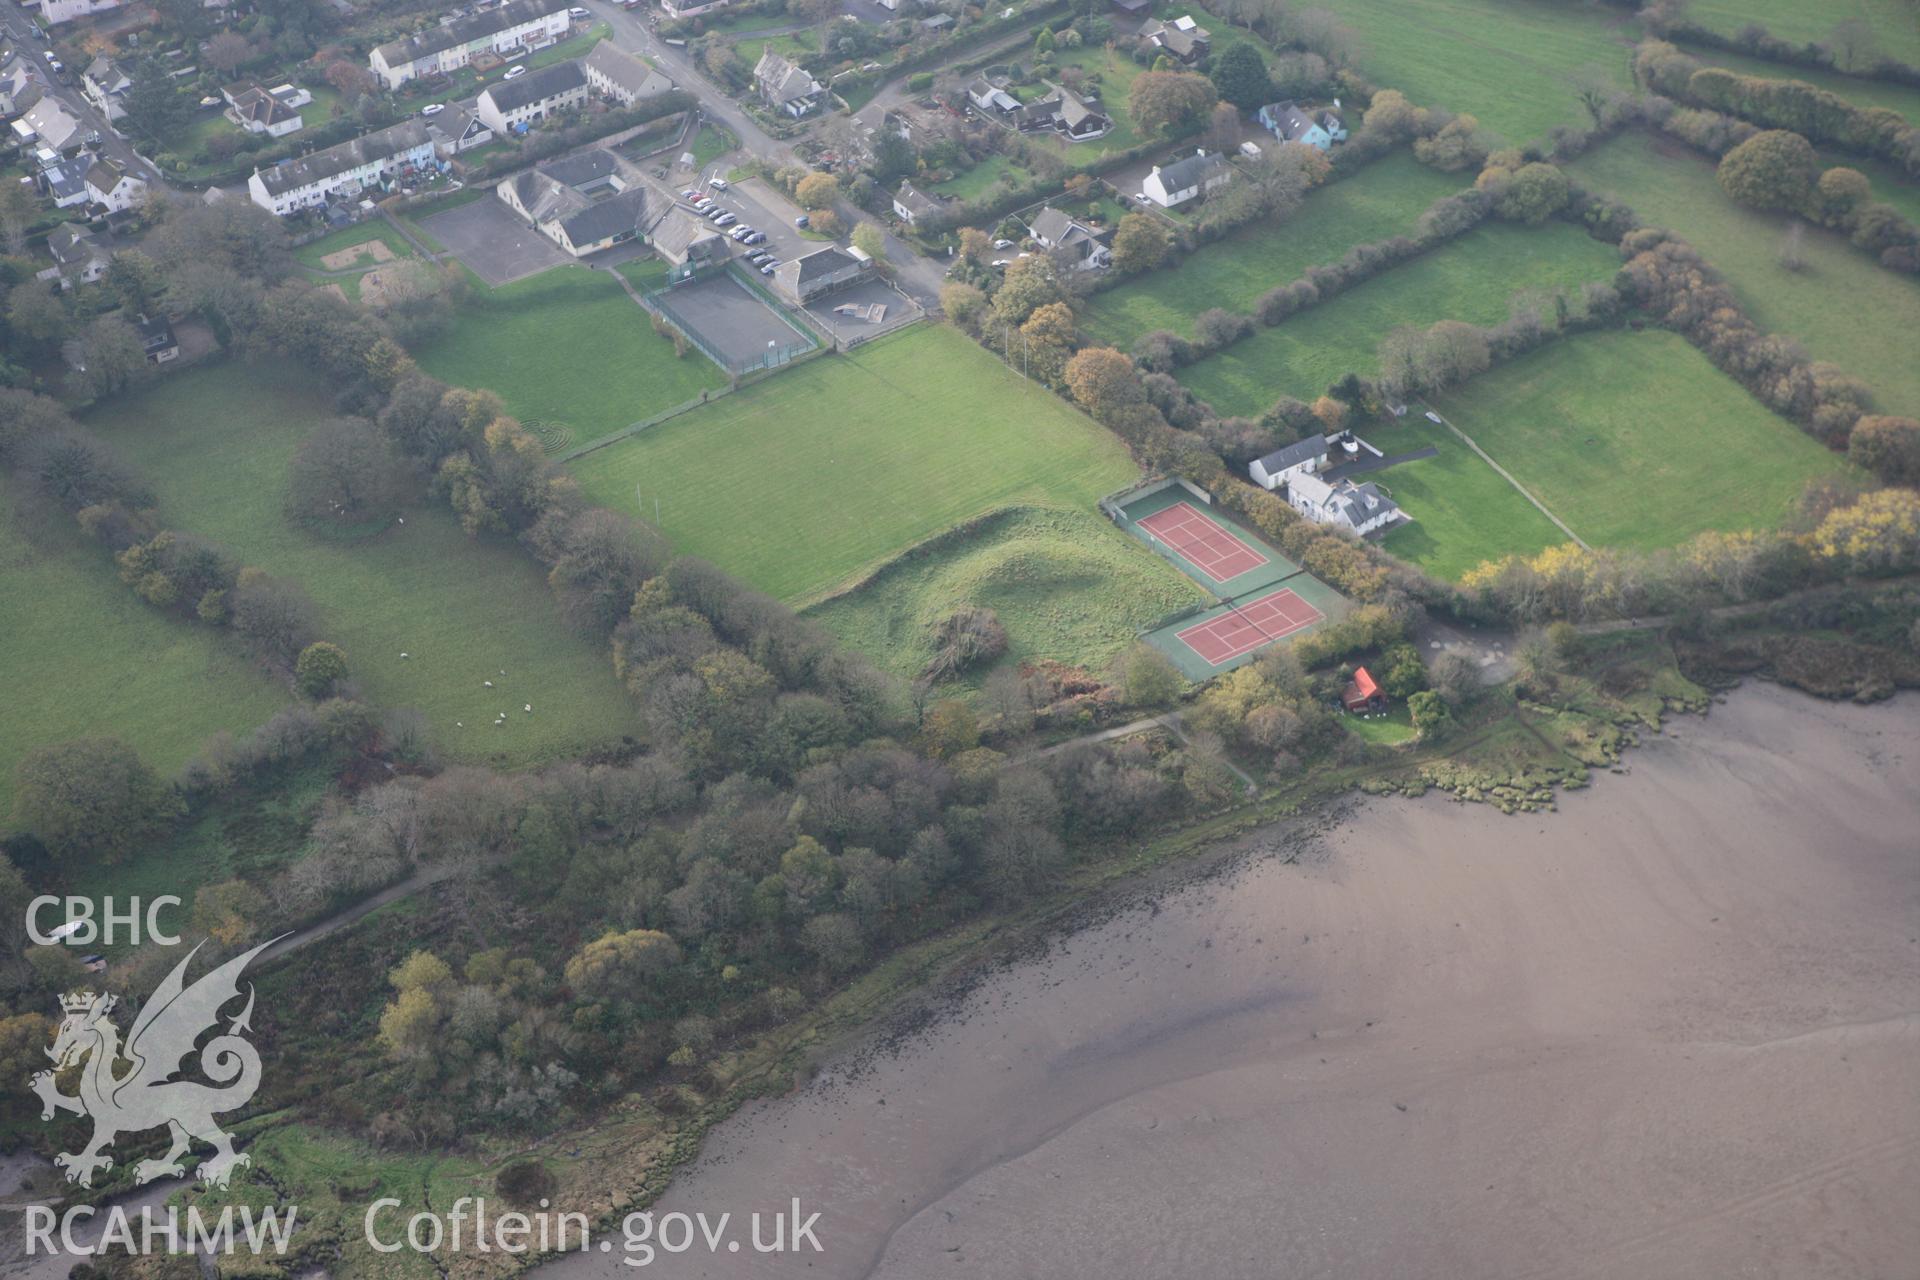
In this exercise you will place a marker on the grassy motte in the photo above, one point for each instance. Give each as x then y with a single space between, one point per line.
215 444
85 657
815 476
1380 201
1473 278
1066 585
1636 440
1841 305
568 346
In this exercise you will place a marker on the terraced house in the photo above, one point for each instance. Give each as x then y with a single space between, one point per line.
517 105
343 171
518 24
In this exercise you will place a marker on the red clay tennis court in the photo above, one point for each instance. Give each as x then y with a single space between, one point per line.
1246 628
1211 549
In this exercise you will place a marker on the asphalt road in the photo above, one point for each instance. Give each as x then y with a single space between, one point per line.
19 32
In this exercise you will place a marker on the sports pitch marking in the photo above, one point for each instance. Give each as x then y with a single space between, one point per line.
1249 626
1210 549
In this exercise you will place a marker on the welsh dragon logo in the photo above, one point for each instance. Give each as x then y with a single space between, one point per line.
129 1087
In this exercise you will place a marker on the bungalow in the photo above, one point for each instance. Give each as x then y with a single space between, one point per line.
517 24
343 171
568 201
1359 508
105 84
803 279
989 100
616 74
1363 695
112 189
1184 38
79 256
1057 230
1287 122
259 111
1183 180
156 335
514 106
910 206
785 87
58 11
49 124
457 129
1066 113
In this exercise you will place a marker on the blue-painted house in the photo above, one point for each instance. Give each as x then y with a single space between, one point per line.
1289 123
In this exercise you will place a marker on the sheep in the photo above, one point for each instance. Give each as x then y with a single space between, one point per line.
528 708
487 683
406 655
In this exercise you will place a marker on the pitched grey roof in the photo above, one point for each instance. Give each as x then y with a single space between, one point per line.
103 176
1053 226
1291 122
537 86
465 30
1294 454
626 211
1193 171
917 201
823 262
71 243
627 72
678 234
67 178
322 165
781 80
583 168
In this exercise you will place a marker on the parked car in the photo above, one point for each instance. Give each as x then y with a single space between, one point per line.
689 194
718 184
758 237
48 55
761 256
766 268
578 14
740 234
1003 244
433 108
1000 262
803 222
514 73
725 220
93 138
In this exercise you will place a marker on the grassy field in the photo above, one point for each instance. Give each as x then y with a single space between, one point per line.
1822 305
567 345
215 444
814 477
1066 585
975 182
1470 279
1635 440
1513 64
1796 20
85 657
1381 200
1463 511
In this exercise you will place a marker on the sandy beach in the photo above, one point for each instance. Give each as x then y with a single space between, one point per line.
1671 1030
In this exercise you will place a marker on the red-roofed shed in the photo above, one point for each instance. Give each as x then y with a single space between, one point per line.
1363 694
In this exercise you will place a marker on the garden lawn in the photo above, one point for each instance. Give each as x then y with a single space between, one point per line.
975 182
1636 440
85 657
215 444
1464 512
1067 586
1842 306
311 255
1472 278
1381 200
1112 73
809 480
1800 21
1512 64
567 346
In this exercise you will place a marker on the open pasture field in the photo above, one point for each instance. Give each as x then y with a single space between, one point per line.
85 657
567 346
1512 64
1635 440
1066 585
215 444
1381 200
1841 305
815 476
1797 20
1464 512
1471 278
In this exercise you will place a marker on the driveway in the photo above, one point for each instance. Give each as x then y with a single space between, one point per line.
491 239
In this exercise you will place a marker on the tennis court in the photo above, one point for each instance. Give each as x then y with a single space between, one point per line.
1249 625
1215 552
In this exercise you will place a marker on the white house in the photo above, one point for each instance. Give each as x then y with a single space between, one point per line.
343 170
457 129
57 11
1310 456
583 202
517 105
616 74
268 111
691 8
1055 229
1184 38
1184 180
18 88
79 256
1361 508
111 188
990 99
156 338
785 87
910 206
104 84
517 24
